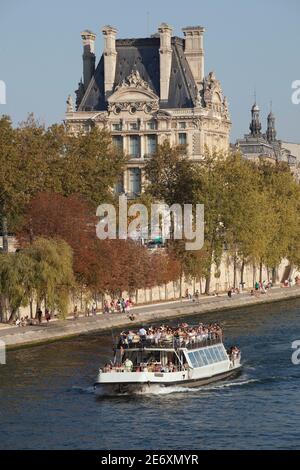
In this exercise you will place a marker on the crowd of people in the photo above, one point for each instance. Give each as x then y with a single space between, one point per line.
109 306
127 366
180 336
118 306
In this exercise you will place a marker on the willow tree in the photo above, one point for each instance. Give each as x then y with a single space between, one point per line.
53 273
41 272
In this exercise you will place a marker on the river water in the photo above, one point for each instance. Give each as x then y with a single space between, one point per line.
47 400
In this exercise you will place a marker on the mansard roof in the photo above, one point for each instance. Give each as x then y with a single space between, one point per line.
143 55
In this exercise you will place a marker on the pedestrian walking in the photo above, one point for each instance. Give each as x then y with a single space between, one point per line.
47 315
75 312
39 315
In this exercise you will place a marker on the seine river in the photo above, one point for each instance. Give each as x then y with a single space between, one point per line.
47 400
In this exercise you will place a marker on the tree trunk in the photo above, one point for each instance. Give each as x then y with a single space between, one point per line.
208 276
166 291
242 271
234 270
180 286
81 301
4 234
13 315
38 305
254 275
260 271
274 276
3 309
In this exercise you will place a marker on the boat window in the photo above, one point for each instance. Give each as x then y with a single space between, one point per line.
209 356
204 358
213 354
223 353
218 354
193 360
199 358
196 358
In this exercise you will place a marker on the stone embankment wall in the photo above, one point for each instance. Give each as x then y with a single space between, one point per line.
172 290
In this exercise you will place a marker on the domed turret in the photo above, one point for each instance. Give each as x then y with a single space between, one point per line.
271 131
255 125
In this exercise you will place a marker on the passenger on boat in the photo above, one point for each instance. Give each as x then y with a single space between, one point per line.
234 354
128 365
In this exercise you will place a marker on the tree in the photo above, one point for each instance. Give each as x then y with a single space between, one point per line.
69 218
42 271
34 158
170 175
10 194
92 166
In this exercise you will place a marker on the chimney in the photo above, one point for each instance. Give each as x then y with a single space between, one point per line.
110 58
194 52
165 59
88 41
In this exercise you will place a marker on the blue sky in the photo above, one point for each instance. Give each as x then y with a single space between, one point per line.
249 44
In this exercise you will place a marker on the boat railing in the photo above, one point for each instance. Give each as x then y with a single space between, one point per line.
142 368
174 343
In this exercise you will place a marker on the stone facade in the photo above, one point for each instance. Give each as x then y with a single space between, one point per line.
256 144
147 90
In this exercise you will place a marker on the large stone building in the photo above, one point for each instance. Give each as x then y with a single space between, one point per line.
256 144
147 90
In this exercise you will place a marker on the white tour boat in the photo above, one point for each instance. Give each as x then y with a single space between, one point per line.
145 365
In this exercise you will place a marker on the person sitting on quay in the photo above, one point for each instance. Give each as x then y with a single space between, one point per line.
112 306
131 316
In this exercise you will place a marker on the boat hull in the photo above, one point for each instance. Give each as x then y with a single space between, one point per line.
140 388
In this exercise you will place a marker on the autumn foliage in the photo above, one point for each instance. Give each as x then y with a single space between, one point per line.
103 266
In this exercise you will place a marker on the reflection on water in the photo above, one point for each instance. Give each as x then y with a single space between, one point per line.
47 399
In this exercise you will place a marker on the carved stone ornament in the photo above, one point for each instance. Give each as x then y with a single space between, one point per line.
213 95
70 106
133 106
134 80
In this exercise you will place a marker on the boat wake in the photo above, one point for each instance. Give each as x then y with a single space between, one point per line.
175 389
179 389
